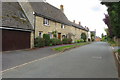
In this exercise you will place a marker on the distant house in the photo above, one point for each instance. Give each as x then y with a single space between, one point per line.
97 39
16 29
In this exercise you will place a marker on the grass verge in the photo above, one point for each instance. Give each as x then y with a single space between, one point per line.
63 48
112 43
118 52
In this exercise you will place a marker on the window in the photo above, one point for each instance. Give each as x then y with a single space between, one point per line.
62 26
63 36
40 34
50 35
22 15
46 21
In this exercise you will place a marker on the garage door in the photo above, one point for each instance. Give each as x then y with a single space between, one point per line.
15 40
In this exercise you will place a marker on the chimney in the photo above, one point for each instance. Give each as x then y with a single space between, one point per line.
62 8
73 21
79 23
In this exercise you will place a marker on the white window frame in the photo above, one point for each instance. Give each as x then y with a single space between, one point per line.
51 36
41 36
62 26
46 22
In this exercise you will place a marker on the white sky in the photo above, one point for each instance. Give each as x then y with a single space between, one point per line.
89 12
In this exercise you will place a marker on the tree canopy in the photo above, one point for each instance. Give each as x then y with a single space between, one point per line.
114 17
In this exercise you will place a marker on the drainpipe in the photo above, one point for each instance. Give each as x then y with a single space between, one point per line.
34 26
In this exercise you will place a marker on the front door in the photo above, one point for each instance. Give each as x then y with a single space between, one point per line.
59 36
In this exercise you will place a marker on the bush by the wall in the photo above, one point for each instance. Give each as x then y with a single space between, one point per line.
81 40
55 41
67 41
47 39
39 42
59 42
84 37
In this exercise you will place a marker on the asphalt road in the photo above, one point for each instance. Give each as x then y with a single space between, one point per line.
15 58
95 60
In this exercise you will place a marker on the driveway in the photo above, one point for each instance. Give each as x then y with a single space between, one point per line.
95 60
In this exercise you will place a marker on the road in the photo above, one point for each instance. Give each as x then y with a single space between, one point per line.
15 58
95 60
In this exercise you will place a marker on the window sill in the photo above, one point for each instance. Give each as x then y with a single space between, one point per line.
46 25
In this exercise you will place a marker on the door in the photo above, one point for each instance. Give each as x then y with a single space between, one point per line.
59 36
15 40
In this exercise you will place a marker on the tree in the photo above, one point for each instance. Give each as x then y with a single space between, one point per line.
92 36
110 29
102 35
84 37
113 11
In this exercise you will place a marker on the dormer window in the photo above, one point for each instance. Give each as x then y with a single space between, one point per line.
62 26
46 21
22 15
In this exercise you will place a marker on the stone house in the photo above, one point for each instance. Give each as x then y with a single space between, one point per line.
22 22
49 18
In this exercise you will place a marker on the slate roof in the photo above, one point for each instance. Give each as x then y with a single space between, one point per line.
11 17
48 11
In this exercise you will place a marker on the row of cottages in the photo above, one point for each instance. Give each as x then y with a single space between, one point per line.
22 22
49 18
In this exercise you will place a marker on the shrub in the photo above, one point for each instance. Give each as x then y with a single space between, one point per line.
55 41
54 34
47 39
67 41
84 37
78 41
59 42
39 42
81 40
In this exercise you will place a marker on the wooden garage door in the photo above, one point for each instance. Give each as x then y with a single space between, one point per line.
15 40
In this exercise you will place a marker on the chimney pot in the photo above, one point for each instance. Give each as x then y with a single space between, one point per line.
79 23
62 8
73 21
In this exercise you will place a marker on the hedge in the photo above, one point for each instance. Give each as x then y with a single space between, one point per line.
39 42
67 41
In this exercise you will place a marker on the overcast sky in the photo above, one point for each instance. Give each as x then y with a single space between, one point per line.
89 12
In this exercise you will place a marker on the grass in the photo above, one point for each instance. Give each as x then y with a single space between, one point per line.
63 48
112 43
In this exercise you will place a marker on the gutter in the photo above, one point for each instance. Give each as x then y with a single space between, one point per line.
13 28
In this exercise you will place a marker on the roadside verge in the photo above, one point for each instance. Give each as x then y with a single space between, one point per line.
68 47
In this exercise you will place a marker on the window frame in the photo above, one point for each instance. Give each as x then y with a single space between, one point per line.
46 22
41 36
62 26
22 15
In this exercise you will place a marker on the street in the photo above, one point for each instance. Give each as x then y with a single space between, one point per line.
94 60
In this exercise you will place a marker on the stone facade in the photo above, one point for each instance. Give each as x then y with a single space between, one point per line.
73 32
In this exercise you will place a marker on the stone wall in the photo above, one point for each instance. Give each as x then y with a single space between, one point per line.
40 27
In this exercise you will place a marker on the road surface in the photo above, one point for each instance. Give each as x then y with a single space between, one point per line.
95 60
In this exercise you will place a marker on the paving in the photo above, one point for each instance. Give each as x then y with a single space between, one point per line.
94 60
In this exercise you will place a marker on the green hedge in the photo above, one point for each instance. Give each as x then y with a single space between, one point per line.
78 41
55 41
39 42
46 37
67 41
